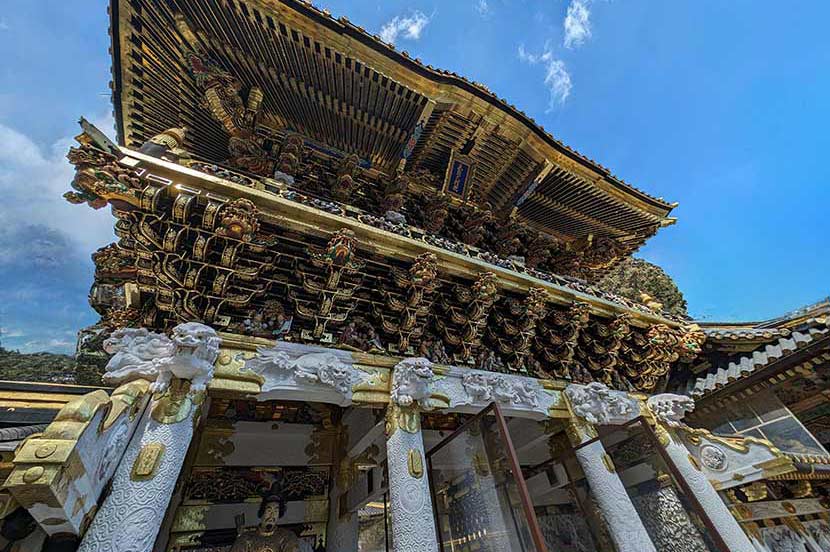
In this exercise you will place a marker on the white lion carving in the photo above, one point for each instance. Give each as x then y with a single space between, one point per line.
597 404
196 349
268 358
505 389
670 408
478 386
137 354
324 368
412 382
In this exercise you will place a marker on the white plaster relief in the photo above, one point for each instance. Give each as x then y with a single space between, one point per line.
486 387
670 408
196 347
412 382
597 404
621 518
723 520
136 355
721 463
293 370
131 515
820 531
413 525
468 390
713 457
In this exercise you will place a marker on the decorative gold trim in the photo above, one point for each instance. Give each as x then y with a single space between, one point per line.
609 463
375 389
302 218
406 418
695 464
416 464
147 462
176 404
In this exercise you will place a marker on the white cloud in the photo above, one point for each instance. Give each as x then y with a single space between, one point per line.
33 181
408 27
577 23
483 8
559 82
557 78
10 332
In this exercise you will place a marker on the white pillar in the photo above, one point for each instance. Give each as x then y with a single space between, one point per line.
623 522
724 522
668 410
132 514
413 519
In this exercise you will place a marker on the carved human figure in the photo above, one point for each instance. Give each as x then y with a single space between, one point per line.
267 536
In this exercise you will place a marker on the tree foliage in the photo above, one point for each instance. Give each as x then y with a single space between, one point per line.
633 277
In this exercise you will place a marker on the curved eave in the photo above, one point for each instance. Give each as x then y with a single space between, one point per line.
384 58
344 26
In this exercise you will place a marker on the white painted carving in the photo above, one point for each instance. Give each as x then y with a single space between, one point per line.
484 387
136 355
319 367
196 349
112 452
131 515
412 382
269 360
820 531
713 457
670 408
597 404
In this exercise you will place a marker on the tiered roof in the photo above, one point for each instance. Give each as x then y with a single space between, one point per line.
347 90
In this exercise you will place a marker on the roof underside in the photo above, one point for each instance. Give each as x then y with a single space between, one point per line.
346 90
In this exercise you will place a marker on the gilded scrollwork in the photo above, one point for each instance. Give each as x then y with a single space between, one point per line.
411 303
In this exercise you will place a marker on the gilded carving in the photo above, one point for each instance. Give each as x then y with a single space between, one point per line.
413 301
147 462
513 332
330 300
464 325
415 463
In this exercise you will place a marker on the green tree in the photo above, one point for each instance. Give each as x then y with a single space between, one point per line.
632 277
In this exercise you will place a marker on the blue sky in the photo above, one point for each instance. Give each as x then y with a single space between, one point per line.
721 106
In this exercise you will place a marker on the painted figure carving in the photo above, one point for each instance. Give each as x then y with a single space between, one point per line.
267 536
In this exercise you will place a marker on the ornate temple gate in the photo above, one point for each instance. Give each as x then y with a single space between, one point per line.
572 443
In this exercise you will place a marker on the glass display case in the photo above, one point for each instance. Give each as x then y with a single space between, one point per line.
480 496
